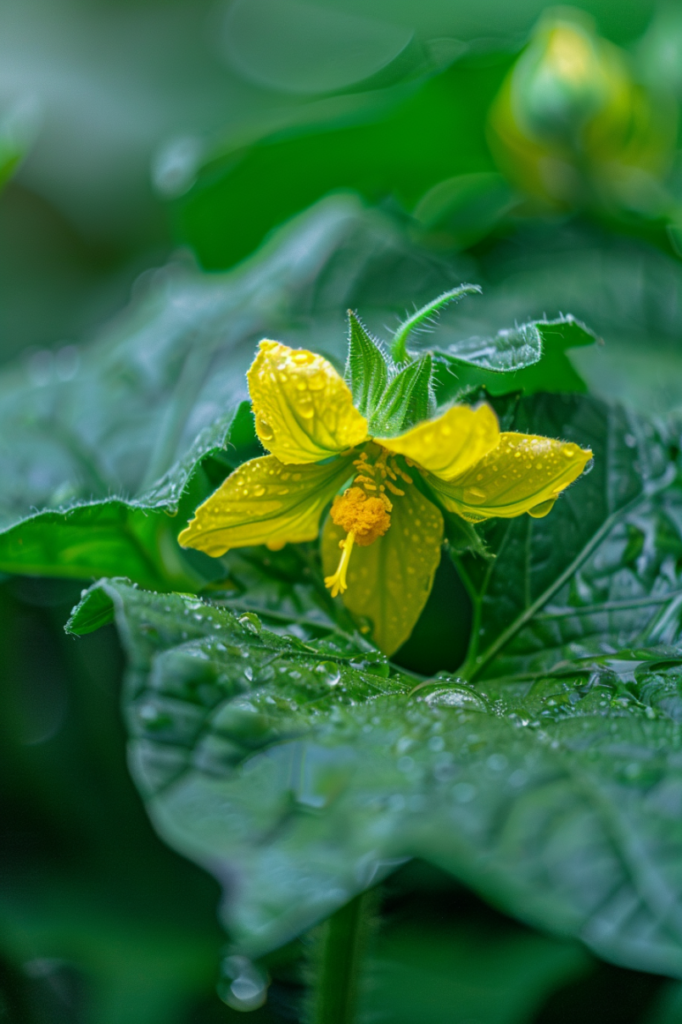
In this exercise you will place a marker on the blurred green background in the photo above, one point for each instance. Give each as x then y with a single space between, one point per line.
133 129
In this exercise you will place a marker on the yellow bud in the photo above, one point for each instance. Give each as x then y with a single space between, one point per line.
573 127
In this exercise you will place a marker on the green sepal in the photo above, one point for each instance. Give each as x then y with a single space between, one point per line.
367 369
407 400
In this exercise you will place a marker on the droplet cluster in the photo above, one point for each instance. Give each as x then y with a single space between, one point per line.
522 472
265 502
304 410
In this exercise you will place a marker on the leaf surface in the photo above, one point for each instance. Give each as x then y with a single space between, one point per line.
300 774
529 358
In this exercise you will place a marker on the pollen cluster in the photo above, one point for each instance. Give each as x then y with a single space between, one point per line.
366 517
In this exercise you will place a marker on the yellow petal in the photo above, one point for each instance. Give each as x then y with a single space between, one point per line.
265 502
524 473
304 410
390 580
449 445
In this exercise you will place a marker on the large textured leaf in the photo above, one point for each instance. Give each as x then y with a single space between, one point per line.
135 537
299 776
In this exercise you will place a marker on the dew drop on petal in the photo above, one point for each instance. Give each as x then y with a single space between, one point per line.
265 430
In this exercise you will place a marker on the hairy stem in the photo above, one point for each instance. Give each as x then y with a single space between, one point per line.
338 962
399 343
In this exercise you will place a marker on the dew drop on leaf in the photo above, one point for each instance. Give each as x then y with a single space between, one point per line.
251 622
329 672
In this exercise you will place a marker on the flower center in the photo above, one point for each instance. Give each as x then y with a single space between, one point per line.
364 510
367 517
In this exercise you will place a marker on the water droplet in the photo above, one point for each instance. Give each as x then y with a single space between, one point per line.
455 697
148 713
329 672
251 622
243 985
265 430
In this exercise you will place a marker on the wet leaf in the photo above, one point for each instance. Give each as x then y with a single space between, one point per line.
529 358
302 774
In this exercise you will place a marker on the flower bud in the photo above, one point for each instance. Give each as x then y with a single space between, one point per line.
571 125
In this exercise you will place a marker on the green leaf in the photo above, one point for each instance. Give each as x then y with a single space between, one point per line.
529 358
19 122
286 589
135 538
366 366
500 975
295 50
302 775
407 400
357 142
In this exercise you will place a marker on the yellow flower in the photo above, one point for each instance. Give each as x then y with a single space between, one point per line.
386 492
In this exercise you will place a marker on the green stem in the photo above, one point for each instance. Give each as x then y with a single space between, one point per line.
399 343
342 944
